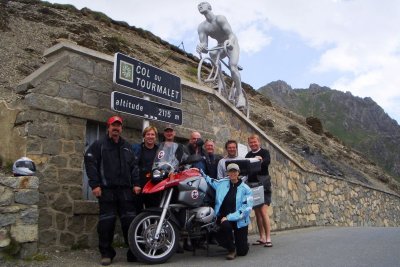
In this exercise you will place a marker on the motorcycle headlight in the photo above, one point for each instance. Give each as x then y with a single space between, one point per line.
160 173
156 174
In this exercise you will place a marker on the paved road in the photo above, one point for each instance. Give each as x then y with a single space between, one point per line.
322 246
332 247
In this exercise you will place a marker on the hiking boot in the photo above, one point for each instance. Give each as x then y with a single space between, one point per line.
105 261
231 255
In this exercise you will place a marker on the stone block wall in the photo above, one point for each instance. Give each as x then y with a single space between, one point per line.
308 199
56 143
19 214
60 99
74 87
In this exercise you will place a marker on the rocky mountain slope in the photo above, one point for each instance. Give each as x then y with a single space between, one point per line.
358 122
27 28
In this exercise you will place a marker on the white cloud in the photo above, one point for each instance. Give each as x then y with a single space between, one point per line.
381 84
358 40
252 39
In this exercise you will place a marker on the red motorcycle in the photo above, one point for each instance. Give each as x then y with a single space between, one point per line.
155 233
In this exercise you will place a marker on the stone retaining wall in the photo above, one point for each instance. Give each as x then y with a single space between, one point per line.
307 199
19 197
74 88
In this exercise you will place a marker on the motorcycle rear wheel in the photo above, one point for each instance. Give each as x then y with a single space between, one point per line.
145 246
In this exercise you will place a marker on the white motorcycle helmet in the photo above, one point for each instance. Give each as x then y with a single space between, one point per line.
24 167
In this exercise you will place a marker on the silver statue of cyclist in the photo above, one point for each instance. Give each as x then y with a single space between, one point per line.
218 28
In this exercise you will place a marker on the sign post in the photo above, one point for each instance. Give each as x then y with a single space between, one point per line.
144 108
134 74
139 76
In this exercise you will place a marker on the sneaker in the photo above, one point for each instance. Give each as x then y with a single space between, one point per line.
231 255
106 261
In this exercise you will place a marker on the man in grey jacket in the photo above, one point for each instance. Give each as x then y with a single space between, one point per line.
231 147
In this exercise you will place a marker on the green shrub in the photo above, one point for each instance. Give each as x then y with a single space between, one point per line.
191 70
99 16
37 257
115 44
60 6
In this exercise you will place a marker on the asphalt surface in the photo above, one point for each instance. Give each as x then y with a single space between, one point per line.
321 246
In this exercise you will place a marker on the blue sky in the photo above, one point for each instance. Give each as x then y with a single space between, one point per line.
347 45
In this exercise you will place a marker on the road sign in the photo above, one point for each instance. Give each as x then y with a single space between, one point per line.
134 74
144 108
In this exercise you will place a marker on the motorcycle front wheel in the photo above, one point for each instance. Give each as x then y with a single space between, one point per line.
143 243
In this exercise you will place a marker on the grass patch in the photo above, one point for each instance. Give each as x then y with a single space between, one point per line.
119 244
60 6
8 167
79 247
40 257
100 16
10 252
148 35
115 44
29 1
37 257
191 71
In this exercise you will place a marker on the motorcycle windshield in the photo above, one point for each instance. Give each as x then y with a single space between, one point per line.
166 153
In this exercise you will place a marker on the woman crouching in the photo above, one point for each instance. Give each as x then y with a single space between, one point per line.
233 204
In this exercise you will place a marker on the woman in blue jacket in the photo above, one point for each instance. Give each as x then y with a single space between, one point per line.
233 204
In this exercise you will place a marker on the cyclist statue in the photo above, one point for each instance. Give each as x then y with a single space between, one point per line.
218 28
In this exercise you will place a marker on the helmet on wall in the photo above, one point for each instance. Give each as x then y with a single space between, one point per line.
24 167
204 214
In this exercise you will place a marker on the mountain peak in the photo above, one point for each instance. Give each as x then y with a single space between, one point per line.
359 122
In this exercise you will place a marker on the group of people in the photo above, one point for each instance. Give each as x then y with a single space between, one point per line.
118 171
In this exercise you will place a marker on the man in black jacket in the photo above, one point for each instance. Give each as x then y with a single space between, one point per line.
195 147
146 152
212 160
112 170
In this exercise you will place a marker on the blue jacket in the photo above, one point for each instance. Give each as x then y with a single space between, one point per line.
244 200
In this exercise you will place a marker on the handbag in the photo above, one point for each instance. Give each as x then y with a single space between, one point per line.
258 194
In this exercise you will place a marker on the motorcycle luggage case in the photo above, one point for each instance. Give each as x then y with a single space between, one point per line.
192 191
247 166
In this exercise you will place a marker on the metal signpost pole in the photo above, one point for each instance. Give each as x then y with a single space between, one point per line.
146 123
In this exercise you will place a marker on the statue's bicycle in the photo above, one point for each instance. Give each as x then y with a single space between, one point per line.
209 73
